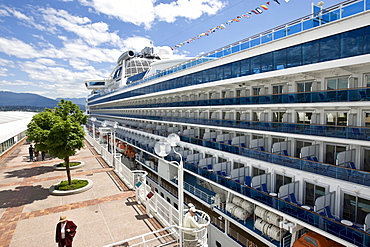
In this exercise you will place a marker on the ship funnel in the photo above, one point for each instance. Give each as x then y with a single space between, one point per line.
126 55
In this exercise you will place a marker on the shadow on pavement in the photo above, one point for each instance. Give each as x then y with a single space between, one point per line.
29 172
22 195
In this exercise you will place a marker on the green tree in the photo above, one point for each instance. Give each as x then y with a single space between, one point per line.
59 131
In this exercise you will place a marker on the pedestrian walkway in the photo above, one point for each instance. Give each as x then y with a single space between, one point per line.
105 214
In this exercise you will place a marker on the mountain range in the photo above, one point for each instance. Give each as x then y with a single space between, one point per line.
10 99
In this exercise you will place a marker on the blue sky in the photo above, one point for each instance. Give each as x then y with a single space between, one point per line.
50 47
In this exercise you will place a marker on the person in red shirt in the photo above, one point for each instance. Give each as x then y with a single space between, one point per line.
65 232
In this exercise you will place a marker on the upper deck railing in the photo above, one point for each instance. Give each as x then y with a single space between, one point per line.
330 14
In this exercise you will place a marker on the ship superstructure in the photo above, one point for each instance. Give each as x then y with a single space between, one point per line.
274 129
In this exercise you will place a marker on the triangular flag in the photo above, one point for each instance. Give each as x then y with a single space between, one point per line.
264 7
268 3
255 12
236 20
246 16
276 1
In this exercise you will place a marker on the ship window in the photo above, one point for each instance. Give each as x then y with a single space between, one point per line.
332 152
235 69
311 52
337 83
256 90
277 89
313 191
256 64
258 171
280 59
355 208
278 116
351 43
245 67
294 56
304 117
337 118
366 39
366 159
218 244
299 145
304 86
238 165
281 180
266 62
227 71
367 80
329 48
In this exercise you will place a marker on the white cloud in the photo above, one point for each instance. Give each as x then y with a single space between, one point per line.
3 71
136 43
190 9
145 12
18 48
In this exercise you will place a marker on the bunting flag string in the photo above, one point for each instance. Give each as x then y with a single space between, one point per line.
257 11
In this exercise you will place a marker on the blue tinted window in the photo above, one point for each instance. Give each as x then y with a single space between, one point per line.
266 62
256 64
351 43
245 67
311 52
227 71
219 73
206 75
294 56
212 74
367 38
329 48
235 69
280 59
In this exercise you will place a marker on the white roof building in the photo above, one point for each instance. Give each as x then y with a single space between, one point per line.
12 124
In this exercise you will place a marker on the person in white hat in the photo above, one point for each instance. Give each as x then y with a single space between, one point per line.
65 232
190 237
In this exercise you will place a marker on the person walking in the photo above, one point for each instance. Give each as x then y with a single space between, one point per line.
65 232
30 151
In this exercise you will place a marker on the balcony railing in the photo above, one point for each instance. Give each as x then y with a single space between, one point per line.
342 95
336 131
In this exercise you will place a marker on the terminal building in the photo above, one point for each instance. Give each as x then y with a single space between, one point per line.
14 126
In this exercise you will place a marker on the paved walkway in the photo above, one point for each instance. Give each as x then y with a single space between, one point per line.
105 214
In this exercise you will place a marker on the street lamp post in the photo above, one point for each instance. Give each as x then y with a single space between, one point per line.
93 120
162 149
112 143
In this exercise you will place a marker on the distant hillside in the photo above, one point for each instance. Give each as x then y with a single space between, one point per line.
27 100
77 101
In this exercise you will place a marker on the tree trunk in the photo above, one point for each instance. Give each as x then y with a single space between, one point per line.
66 160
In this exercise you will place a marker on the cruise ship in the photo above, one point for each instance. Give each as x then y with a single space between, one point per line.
274 131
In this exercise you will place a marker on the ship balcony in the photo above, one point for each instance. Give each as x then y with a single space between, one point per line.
336 131
341 95
238 147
